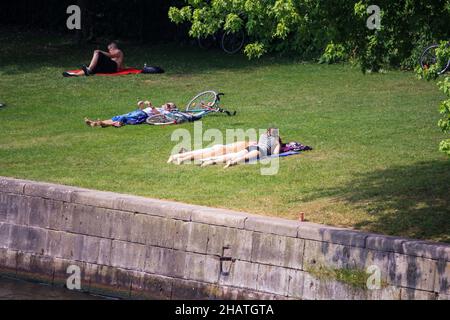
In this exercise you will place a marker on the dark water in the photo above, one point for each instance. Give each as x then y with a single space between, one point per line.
12 289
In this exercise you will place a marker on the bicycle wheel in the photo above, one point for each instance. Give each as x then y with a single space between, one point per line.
233 42
159 120
202 101
429 58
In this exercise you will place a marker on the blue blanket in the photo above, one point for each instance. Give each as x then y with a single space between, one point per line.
285 154
281 155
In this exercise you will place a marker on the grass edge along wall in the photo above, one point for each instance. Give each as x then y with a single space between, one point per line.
135 247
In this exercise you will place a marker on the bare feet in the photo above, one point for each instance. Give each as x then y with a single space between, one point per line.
230 163
175 157
207 163
90 122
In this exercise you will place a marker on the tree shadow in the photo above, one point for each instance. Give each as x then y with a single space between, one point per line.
25 52
411 201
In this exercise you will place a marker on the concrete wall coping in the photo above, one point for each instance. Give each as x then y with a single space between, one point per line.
226 218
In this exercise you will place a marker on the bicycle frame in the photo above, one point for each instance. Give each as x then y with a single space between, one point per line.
189 115
207 110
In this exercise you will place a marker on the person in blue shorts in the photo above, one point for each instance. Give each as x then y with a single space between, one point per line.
145 110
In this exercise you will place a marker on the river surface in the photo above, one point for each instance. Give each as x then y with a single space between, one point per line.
13 289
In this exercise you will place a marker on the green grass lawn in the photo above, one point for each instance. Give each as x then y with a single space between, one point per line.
375 164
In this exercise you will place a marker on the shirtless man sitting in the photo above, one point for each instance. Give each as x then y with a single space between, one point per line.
102 62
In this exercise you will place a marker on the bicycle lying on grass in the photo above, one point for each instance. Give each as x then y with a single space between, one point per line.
201 105
429 58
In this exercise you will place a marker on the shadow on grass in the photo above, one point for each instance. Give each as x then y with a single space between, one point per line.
412 201
28 52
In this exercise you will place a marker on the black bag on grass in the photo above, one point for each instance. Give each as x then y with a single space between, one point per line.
152 70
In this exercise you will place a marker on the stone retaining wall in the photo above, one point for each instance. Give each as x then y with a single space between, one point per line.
136 247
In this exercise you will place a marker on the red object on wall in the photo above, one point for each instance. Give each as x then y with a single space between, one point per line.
301 216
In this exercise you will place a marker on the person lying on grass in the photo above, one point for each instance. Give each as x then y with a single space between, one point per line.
269 144
240 152
207 153
110 61
145 110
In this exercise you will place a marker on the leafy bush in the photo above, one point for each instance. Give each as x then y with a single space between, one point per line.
334 53
444 109
442 58
431 73
304 27
406 28
422 40
318 29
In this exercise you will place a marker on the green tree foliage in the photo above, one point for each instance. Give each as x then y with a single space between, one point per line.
308 27
407 27
442 58
271 25
444 109
432 73
333 53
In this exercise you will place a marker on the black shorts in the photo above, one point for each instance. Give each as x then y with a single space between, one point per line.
105 65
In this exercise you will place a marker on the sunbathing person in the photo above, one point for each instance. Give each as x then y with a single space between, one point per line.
207 153
178 117
268 144
145 110
111 61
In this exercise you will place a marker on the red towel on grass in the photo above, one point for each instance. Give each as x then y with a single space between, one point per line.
120 73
